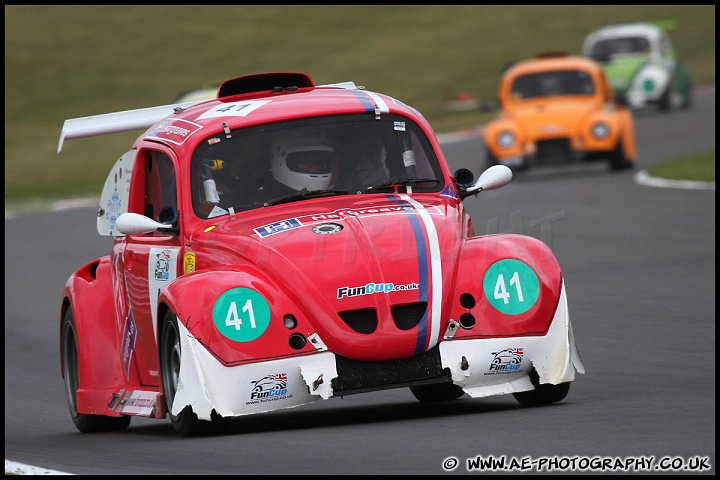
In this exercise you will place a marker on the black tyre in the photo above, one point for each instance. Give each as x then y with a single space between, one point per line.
437 392
543 394
186 423
85 423
687 100
618 160
665 102
490 159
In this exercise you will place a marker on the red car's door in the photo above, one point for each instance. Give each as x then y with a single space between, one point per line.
144 264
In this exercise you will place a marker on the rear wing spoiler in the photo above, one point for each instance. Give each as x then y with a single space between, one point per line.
116 122
139 119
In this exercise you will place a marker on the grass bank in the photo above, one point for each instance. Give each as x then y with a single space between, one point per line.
71 61
699 168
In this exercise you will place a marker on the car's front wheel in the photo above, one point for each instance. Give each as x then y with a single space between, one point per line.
665 101
490 159
618 159
543 393
186 423
85 423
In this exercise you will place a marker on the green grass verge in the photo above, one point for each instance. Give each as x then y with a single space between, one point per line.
67 61
699 168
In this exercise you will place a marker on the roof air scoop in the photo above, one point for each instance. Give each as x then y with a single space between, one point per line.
261 82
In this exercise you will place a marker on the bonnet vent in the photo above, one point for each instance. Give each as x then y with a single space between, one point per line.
262 82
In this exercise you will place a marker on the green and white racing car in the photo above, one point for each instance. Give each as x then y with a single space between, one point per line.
641 65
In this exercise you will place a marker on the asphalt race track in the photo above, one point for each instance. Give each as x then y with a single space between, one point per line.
639 266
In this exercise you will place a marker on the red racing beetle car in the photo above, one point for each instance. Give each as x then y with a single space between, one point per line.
286 242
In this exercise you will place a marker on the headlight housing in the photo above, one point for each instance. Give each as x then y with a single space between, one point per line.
506 139
600 130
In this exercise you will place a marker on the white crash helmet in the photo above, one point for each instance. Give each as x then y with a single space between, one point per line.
292 154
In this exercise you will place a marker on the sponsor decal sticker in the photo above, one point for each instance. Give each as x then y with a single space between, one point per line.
136 402
188 263
129 339
341 214
370 288
162 269
233 109
114 206
449 192
241 314
511 286
361 212
174 130
277 227
162 266
269 388
505 361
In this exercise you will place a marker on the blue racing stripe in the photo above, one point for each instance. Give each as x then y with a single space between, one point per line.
423 272
365 100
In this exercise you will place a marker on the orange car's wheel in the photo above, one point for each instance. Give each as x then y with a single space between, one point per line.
618 160
490 159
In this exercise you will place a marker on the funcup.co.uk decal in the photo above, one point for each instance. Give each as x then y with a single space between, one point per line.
511 286
241 314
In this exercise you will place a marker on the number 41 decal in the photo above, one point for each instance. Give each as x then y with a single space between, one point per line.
241 314
511 286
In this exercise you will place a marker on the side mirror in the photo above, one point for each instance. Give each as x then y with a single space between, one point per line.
494 177
170 216
134 223
463 178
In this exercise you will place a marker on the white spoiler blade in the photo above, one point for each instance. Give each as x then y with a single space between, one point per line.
117 122
139 119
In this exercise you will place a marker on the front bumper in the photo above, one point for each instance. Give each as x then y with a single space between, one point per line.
476 365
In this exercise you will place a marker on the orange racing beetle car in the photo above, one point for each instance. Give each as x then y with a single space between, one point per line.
557 108
285 243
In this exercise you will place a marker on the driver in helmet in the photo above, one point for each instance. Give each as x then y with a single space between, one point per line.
302 161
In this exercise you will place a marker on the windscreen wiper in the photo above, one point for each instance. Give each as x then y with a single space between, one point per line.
303 195
393 185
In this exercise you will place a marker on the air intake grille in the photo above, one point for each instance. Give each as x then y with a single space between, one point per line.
362 321
356 376
366 320
554 151
408 316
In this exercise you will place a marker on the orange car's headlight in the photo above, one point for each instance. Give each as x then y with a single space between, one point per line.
600 130
506 139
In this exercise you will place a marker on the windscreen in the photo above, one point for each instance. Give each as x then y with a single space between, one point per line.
603 50
350 154
552 83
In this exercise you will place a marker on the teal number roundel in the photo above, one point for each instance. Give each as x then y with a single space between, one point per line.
241 314
511 286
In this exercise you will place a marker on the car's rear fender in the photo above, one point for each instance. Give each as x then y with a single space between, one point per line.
88 292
